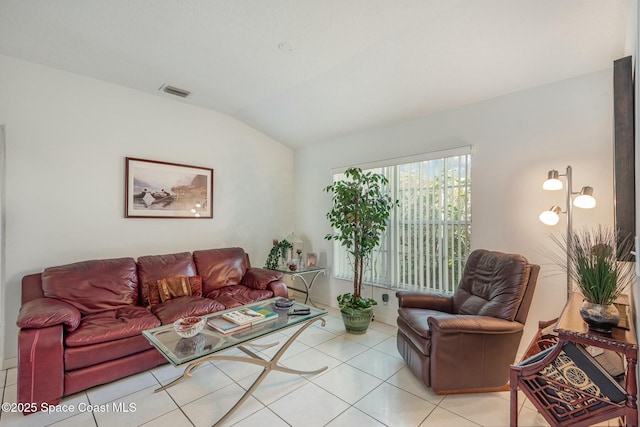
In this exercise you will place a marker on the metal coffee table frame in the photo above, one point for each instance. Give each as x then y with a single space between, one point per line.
163 338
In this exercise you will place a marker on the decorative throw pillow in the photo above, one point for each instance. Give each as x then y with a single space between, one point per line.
165 289
196 285
173 287
154 295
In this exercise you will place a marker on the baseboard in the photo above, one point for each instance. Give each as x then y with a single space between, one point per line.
10 363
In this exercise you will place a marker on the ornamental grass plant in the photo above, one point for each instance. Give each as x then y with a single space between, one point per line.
596 263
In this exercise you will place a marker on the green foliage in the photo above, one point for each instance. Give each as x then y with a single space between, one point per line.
359 215
594 265
278 250
349 301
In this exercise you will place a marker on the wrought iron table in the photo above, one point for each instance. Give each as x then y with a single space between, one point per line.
300 273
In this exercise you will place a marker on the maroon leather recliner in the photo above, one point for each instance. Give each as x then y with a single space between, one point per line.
468 340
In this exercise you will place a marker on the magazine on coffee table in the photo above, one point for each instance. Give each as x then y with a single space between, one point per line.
243 316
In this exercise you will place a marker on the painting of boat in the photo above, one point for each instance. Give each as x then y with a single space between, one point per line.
157 189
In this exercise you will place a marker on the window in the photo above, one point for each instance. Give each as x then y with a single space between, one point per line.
428 238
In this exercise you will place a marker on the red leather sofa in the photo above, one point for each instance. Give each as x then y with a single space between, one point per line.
80 324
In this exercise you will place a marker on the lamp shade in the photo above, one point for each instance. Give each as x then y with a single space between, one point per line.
553 182
585 199
550 217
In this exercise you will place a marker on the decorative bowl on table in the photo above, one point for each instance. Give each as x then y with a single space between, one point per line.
284 303
188 327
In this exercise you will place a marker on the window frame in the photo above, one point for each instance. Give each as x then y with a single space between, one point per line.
387 256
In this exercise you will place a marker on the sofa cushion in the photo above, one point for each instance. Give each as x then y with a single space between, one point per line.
170 311
228 301
93 286
194 284
220 267
93 354
493 284
111 325
155 267
233 296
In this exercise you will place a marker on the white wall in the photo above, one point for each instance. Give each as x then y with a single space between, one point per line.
66 140
67 136
516 139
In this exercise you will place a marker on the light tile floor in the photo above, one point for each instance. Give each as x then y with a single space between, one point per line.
366 384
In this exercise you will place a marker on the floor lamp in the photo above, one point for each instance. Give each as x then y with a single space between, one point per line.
582 199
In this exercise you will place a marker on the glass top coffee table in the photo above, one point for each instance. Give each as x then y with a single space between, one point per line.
209 344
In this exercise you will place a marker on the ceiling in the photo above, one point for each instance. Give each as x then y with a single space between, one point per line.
347 65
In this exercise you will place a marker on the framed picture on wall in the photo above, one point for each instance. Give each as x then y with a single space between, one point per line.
167 190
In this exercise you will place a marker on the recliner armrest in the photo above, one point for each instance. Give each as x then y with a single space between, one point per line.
46 312
430 301
473 324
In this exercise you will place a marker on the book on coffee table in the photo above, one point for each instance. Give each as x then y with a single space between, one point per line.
243 316
268 315
225 326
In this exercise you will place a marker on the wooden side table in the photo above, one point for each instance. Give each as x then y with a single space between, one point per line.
590 410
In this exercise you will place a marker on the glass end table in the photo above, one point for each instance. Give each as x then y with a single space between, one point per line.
304 274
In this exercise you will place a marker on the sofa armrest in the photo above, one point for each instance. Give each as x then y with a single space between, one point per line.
279 288
31 287
473 325
40 367
259 278
45 312
429 301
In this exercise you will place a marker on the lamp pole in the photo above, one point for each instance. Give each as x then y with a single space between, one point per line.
569 228
584 200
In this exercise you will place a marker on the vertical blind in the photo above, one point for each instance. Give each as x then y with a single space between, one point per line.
428 238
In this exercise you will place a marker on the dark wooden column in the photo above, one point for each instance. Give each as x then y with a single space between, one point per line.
624 166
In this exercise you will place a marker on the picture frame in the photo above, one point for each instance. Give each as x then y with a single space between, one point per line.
155 189
312 259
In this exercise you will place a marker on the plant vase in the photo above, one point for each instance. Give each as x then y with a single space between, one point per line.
599 317
356 320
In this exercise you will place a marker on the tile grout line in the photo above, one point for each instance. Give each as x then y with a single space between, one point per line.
172 399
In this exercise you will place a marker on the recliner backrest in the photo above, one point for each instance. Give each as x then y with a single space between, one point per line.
493 284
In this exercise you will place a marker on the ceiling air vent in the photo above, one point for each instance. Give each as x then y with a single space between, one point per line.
175 91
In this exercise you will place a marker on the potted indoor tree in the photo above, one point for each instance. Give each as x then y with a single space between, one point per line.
359 215
596 264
